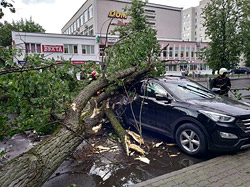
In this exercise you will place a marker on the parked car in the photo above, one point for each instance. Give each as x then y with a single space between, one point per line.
242 70
197 119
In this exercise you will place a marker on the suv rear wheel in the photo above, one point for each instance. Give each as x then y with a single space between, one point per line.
191 139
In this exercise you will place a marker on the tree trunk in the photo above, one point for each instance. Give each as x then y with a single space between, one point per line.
34 167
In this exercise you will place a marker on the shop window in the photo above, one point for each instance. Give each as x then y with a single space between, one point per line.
70 48
101 48
187 52
32 48
88 49
176 52
170 51
182 52
164 53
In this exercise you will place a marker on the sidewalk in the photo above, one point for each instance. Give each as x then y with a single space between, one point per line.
226 170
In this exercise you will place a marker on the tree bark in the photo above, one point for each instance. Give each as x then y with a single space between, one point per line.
34 167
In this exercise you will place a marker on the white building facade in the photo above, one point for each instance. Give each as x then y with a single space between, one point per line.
78 49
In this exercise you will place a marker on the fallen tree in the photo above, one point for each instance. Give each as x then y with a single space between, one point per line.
34 167
129 60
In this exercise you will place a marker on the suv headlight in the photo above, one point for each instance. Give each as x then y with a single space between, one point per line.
217 117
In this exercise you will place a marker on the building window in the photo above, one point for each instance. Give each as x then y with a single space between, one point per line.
77 23
101 48
150 17
89 31
164 53
85 15
182 52
81 20
70 48
90 9
187 52
74 26
71 29
192 52
88 49
32 48
170 51
176 52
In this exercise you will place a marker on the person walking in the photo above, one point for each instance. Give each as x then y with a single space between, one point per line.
222 82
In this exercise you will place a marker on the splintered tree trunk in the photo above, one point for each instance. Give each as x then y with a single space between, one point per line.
34 167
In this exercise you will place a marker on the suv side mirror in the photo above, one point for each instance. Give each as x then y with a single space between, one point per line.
160 97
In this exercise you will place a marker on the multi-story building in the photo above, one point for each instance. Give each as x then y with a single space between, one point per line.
192 23
94 17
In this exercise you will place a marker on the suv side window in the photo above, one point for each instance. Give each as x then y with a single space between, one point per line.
153 88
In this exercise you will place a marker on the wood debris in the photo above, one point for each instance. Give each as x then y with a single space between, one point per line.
171 144
136 137
157 144
73 106
95 129
136 148
174 155
95 112
127 142
143 159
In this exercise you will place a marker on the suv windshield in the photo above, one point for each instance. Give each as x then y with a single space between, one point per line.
186 90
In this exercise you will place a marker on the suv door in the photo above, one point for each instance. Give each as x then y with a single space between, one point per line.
157 111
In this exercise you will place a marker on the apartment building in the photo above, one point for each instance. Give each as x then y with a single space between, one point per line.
192 23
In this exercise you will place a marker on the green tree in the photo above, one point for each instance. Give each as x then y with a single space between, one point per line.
22 82
245 32
222 22
6 4
26 26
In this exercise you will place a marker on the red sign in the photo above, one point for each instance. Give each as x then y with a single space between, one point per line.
52 48
78 62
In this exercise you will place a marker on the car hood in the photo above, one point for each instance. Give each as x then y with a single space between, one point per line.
223 105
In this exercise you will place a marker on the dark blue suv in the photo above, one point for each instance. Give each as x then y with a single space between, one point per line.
197 119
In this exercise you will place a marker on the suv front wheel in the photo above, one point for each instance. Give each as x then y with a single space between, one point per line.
191 140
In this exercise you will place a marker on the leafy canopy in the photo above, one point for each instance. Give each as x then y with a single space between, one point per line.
223 20
26 26
137 45
42 87
6 4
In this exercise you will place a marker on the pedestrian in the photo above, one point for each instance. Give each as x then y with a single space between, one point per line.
222 82
183 72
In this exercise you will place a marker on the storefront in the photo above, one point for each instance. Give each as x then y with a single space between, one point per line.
78 49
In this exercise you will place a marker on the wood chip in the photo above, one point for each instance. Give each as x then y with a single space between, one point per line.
136 137
143 159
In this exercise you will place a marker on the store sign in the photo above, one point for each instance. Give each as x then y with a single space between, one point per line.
78 62
116 14
112 39
52 48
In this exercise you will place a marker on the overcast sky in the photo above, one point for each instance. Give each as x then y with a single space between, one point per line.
52 15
